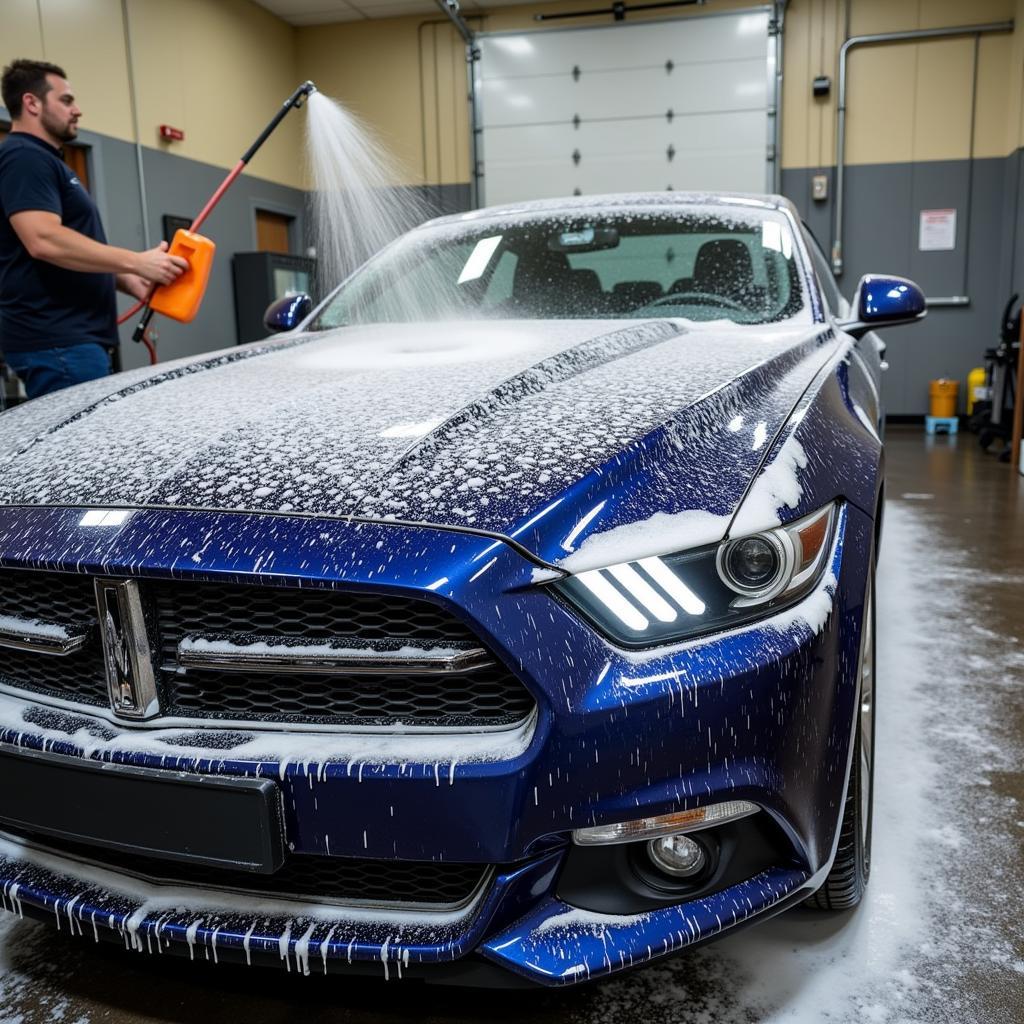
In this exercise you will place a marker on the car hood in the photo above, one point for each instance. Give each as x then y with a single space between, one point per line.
497 426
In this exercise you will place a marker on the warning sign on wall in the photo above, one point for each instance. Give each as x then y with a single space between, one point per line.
937 230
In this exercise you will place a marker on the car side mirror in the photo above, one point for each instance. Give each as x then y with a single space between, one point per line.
883 301
286 314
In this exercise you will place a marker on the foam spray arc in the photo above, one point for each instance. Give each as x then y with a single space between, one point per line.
293 102
356 205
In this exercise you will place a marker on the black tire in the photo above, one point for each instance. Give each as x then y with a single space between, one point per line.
845 884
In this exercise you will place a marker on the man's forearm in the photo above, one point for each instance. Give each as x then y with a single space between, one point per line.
72 250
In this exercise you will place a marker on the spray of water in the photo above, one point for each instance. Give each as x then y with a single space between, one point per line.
356 207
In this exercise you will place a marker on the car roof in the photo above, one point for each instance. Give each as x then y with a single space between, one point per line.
624 200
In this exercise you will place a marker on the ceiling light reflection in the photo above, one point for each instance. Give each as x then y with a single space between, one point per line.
104 517
479 258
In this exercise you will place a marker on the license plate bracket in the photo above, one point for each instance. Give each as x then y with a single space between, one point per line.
218 821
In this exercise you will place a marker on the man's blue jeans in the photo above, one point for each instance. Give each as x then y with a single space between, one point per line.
52 369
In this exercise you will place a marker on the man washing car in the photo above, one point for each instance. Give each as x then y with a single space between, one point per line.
58 316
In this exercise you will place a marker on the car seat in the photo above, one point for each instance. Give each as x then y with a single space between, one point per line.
723 267
630 295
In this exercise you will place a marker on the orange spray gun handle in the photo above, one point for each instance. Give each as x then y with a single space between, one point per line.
181 299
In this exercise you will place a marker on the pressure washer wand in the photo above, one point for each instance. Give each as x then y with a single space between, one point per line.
295 100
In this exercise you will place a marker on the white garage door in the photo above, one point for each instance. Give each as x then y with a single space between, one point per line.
682 104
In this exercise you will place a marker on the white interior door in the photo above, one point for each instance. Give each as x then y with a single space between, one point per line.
681 104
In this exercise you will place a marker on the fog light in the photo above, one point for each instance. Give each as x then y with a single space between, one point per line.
679 856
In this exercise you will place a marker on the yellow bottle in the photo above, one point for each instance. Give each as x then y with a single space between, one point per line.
975 388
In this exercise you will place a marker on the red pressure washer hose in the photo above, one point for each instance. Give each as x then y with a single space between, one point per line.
295 100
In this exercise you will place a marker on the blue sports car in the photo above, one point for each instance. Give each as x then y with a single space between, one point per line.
507 618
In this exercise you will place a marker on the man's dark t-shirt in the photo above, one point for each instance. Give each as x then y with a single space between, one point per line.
41 305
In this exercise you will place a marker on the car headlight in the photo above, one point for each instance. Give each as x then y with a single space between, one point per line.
657 600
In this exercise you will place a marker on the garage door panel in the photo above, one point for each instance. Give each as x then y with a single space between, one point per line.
545 131
722 171
629 92
652 137
683 41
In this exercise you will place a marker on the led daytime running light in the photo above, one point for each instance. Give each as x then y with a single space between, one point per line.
644 603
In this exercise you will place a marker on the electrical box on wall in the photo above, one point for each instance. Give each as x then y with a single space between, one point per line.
819 188
822 85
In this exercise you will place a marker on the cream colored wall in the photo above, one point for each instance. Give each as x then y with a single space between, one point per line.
86 38
218 69
906 102
934 82
384 73
1015 82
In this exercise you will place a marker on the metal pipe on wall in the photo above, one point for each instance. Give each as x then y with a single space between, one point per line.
143 202
779 17
883 38
451 8
472 54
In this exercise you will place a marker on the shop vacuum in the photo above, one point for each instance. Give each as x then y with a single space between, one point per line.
181 300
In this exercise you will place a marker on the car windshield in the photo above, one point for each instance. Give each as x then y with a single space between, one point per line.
712 263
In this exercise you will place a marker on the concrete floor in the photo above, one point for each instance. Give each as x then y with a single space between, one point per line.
939 936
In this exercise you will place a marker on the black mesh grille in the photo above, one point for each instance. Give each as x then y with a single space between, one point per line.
272 611
79 677
490 696
47 596
306 876
486 697
63 599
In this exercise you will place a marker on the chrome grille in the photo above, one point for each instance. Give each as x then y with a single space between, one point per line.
489 696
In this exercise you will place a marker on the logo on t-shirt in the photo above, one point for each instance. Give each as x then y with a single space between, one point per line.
74 180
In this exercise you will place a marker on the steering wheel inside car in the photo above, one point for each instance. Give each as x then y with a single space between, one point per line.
694 299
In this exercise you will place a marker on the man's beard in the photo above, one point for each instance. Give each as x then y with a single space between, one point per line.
65 132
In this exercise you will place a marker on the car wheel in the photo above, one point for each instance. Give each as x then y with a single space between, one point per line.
851 869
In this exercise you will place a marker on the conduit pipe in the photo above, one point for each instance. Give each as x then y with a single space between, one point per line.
451 9
778 34
883 38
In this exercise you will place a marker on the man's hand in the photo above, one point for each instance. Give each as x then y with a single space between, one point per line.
45 238
133 285
156 266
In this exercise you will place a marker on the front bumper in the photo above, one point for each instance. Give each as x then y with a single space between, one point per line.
764 714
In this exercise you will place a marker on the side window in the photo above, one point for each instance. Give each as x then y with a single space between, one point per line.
829 287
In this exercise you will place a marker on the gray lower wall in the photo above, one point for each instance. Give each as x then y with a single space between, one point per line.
881 213
179 186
